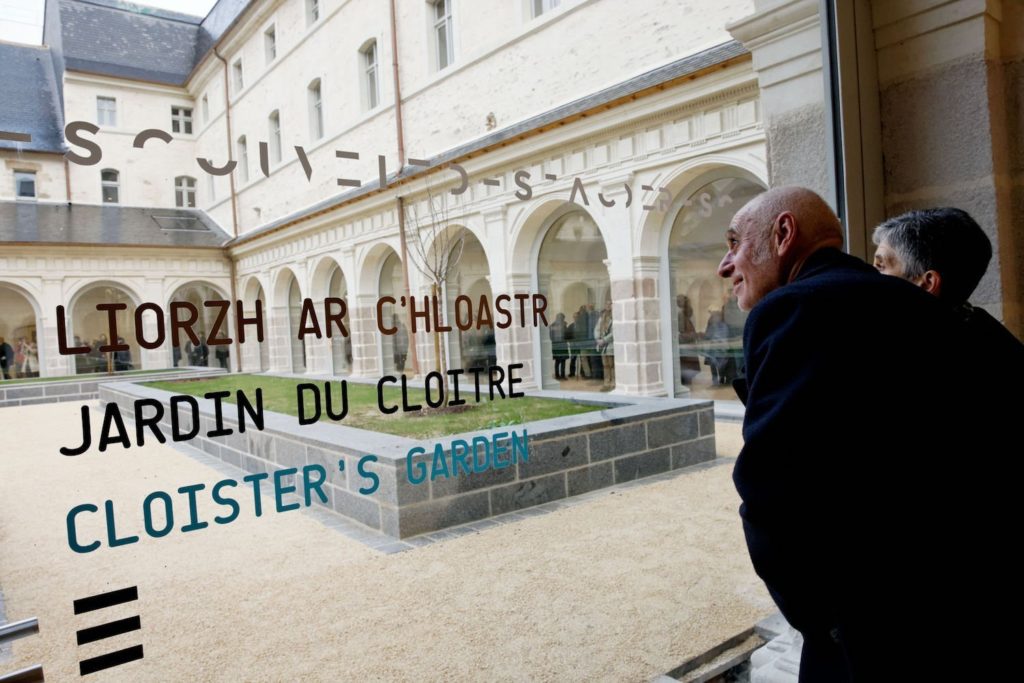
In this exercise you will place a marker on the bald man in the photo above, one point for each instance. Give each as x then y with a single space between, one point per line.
857 513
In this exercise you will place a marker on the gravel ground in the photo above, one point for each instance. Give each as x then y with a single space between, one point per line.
622 587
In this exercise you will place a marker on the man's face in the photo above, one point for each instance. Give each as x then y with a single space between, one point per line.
887 262
753 271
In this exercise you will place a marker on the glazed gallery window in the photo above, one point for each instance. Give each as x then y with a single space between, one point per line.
577 347
706 321
90 326
106 111
201 354
18 332
110 186
242 150
370 85
181 120
185 191
274 128
25 184
316 111
270 43
444 50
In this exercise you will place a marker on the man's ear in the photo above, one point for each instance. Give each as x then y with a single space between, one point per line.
931 282
784 232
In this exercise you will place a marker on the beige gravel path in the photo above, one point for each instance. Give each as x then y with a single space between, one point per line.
622 587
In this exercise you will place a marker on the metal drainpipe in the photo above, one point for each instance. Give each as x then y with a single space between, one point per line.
400 205
234 207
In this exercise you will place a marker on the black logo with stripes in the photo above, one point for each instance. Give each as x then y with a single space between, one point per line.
108 630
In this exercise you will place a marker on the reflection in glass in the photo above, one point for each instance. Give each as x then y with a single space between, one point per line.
89 327
572 274
707 323
473 348
201 354
19 346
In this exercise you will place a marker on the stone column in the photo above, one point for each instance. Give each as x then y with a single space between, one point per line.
280 338
363 318
515 344
784 39
950 77
638 330
160 357
51 363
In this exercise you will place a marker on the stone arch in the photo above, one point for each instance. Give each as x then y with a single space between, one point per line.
569 248
679 181
255 354
696 302
329 279
202 355
91 326
288 352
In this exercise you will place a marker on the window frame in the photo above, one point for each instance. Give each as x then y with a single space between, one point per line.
242 151
101 111
315 97
447 23
539 7
182 122
274 137
21 176
114 184
185 192
238 75
370 74
270 44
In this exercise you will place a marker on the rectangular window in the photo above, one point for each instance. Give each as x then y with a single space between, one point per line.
270 43
206 109
243 160
110 185
445 50
181 120
275 137
236 71
370 64
211 188
185 192
312 11
542 6
316 112
106 111
25 184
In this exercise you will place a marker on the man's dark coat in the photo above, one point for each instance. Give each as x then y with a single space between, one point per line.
866 471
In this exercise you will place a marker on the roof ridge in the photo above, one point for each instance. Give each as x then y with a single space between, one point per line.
144 10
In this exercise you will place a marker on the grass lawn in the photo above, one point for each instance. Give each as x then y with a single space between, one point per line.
84 377
279 395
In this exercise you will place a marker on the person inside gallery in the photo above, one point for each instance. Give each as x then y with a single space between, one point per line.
842 521
557 335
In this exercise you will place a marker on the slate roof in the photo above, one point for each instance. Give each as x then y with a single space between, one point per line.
124 40
662 74
58 223
29 101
